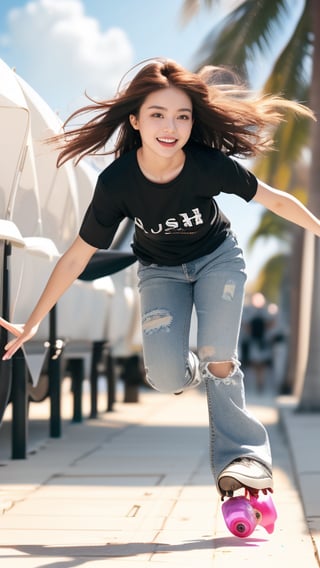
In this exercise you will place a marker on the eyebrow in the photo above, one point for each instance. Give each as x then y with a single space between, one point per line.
165 108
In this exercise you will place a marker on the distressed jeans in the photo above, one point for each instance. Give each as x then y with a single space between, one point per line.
214 285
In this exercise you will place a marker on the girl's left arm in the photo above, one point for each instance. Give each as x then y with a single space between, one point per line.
287 206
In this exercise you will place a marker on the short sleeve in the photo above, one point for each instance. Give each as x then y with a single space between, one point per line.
102 217
220 173
94 233
238 180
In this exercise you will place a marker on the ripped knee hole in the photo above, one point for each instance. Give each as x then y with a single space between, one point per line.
221 370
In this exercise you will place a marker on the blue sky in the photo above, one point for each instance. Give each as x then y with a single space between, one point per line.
63 48
43 40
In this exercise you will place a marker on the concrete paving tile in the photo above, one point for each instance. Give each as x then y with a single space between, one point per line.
5 505
198 492
71 543
99 508
17 488
11 496
104 481
6 552
72 508
99 495
121 466
302 432
309 487
227 551
314 525
105 493
200 547
38 541
79 523
190 523
183 546
25 562
187 515
117 478
177 479
51 559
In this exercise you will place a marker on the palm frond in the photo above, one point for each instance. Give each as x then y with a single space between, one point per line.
290 139
271 224
270 278
291 73
248 29
190 8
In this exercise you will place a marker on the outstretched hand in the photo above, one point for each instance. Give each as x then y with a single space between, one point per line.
18 330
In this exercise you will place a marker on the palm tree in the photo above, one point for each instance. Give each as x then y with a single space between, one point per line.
310 392
245 36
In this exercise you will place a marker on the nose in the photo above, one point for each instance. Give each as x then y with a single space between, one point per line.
169 125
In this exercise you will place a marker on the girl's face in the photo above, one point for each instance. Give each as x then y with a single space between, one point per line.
164 121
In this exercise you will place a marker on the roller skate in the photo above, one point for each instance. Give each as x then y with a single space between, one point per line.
243 513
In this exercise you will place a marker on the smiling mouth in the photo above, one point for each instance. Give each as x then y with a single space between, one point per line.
167 141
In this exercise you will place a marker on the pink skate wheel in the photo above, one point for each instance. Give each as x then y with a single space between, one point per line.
239 516
265 511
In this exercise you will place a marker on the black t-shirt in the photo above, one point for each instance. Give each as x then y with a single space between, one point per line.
175 222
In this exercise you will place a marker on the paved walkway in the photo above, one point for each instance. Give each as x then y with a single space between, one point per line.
134 488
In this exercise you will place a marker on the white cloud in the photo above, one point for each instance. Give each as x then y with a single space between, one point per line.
64 53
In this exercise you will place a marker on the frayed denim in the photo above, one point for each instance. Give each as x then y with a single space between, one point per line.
234 432
214 286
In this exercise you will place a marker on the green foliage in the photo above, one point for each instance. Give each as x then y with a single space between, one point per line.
249 30
253 29
271 224
270 278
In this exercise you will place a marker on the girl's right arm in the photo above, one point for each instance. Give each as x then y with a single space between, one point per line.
66 271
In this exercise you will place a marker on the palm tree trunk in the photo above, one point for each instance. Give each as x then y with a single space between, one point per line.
299 321
310 395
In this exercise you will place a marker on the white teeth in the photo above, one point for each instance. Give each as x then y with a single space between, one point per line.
167 140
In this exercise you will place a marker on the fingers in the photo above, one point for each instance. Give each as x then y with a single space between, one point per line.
11 348
15 329
6 324
21 333
15 344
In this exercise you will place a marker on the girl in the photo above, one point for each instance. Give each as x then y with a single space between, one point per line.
176 131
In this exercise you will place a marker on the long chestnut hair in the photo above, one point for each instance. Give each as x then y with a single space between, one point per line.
226 116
